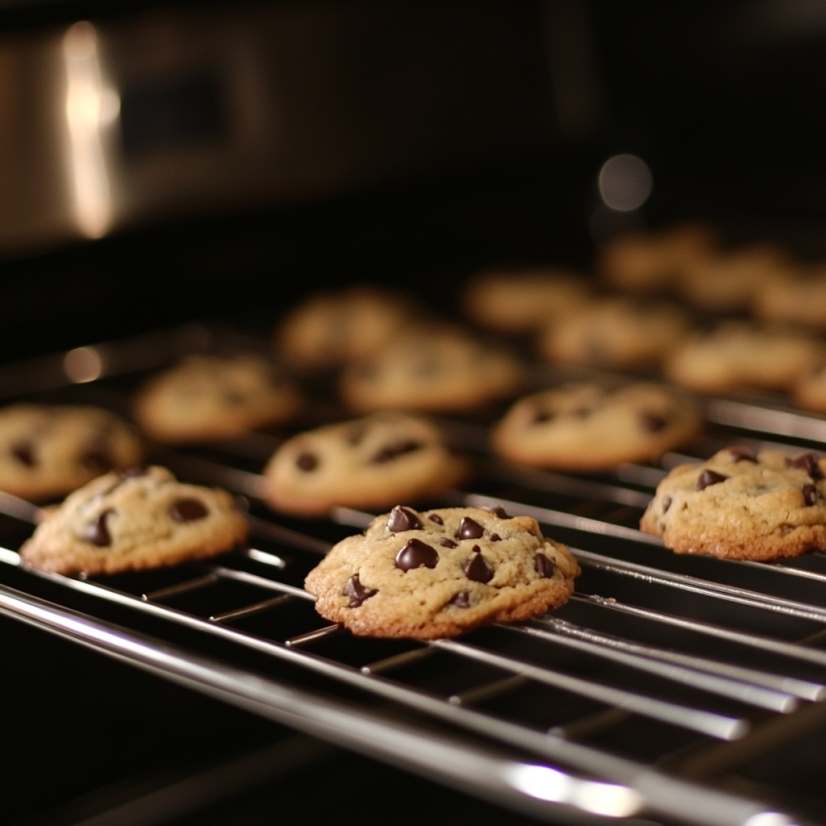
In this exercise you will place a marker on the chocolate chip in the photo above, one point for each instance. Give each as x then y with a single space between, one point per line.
306 461
97 458
477 569
24 453
810 494
653 422
494 537
402 519
416 554
187 510
97 531
542 416
709 477
357 592
809 463
666 504
469 529
449 543
544 566
500 512
460 600
742 454
434 517
390 452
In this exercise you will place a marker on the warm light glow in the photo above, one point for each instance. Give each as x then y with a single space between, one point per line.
625 183
83 364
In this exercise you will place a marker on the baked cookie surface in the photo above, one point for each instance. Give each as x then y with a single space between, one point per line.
585 426
742 504
810 390
440 573
800 299
48 451
616 333
206 398
522 300
431 369
140 518
739 355
369 463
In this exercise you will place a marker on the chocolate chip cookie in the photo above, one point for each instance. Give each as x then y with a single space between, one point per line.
431 369
521 301
616 333
49 451
440 573
139 518
366 463
742 504
738 356
333 329
585 426
810 390
799 299
207 398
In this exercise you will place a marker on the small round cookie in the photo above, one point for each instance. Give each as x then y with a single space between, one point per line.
332 329
649 261
140 518
49 451
738 356
742 505
799 299
521 301
585 426
810 390
365 463
727 282
440 573
616 333
206 398
431 369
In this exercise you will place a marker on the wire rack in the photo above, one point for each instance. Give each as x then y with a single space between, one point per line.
659 692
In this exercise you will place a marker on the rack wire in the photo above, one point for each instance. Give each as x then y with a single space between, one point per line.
650 695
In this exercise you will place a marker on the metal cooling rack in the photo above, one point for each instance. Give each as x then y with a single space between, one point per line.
651 694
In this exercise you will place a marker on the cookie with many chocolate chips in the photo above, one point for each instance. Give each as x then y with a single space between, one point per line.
207 398
49 451
140 518
369 463
585 426
431 368
428 574
742 504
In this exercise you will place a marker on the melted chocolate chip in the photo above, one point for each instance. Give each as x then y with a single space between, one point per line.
469 529
390 452
357 592
460 600
666 504
653 422
809 463
500 512
402 519
710 477
477 569
494 537
544 566
542 416
416 554
97 531
742 454
449 543
306 461
810 494
434 517
24 453
187 510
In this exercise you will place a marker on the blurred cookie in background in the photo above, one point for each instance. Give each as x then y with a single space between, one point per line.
798 297
810 390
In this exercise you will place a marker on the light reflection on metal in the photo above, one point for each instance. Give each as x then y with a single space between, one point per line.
92 108
625 182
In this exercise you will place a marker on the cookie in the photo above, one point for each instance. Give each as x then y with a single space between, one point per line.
440 573
585 426
365 463
798 299
47 452
431 369
520 301
140 518
727 282
650 261
206 398
742 504
810 390
333 329
616 333
738 356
